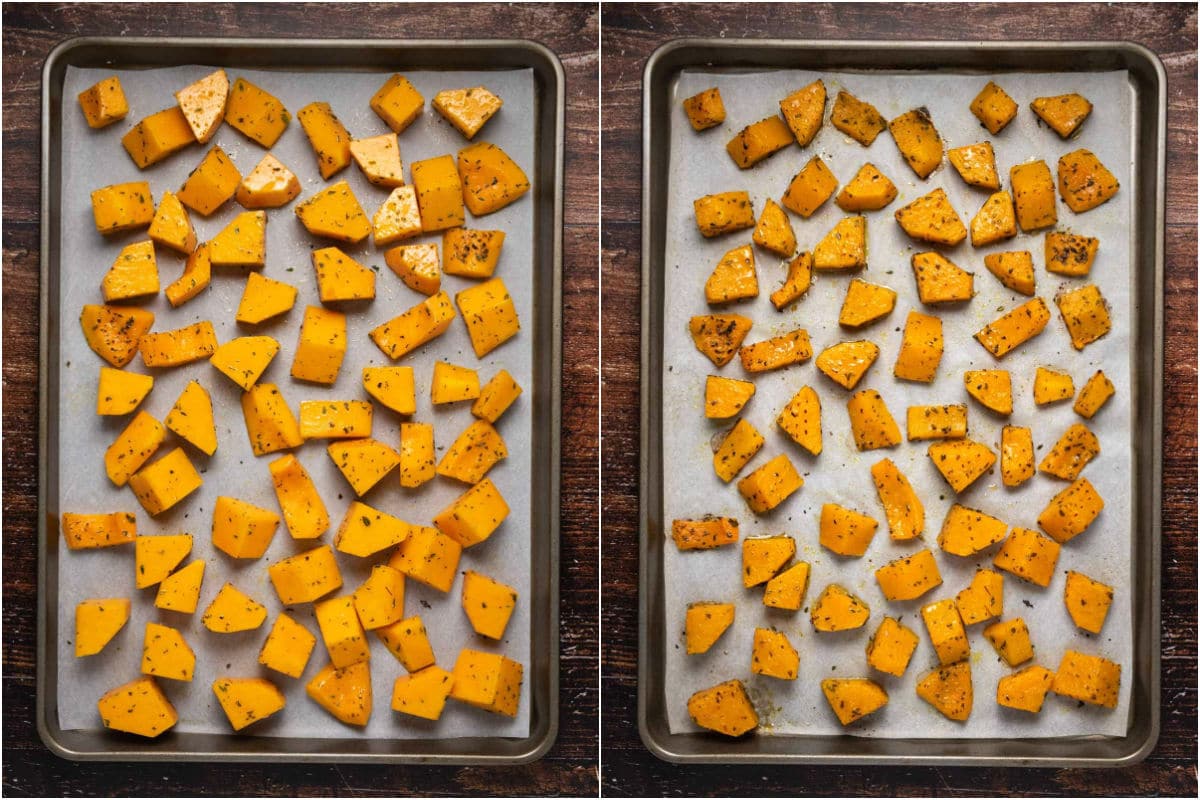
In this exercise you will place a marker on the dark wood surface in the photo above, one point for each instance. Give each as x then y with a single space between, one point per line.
30 32
629 35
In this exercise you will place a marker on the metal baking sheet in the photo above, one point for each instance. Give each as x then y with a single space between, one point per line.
795 712
528 78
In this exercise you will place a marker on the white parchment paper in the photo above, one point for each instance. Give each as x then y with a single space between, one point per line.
841 474
95 158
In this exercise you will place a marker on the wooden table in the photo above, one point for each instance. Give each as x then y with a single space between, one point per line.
629 35
30 32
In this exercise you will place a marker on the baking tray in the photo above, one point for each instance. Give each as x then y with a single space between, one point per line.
384 56
1147 86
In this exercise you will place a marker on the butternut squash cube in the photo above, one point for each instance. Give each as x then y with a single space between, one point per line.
740 445
921 348
1010 638
113 332
734 278
1064 113
488 681
408 641
909 577
773 232
724 708
166 654
138 707
341 631
340 277
1071 511
1070 253
931 218
991 387
865 303
856 118
490 179
1033 194
786 590
868 190
334 212
903 509
949 690
1085 313
341 419
104 103
321 347
365 531
244 359
704 625
704 534
773 655
171 226
476 450
191 418
488 604
1025 690
810 188
1029 555
269 422
764 556
242 243
490 315
417 266
1091 679
474 515
391 386
495 397
755 142
846 363
838 610
937 422
1084 182
800 419
181 590
429 556
452 383
398 219
1092 396
256 113
211 183
961 461
420 325
242 530
1014 269
976 165
166 482
328 136
844 247
804 110
725 397
1016 455
97 622
264 298
231 611
378 157
718 336
845 531
705 109
946 631
726 212
363 462
182 346
983 599
122 207
966 531
119 392
891 647
422 694
417 460
870 421
306 576
303 510
853 699
995 222
397 103
203 104
247 700
158 136
1052 386
994 108
777 352
1006 333
269 185
467 109
470 253
918 141
1087 601
133 275
344 693
89 531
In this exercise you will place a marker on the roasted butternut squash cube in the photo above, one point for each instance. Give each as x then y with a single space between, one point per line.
976 165
921 348
773 232
1063 113
203 104
868 190
417 459
243 242
725 397
755 142
256 113
718 214
180 591
490 315
397 103
1071 511
242 530
1016 455
909 577
122 207
718 336
1070 253
1029 555
104 103
378 157
800 419
764 556
865 303
786 590
496 396
166 654
777 352
247 700
244 359
264 298
918 141
771 484
119 392
470 253
138 707
334 212
113 332
328 136
158 136
1051 386
1013 269
838 610
321 347
133 275
937 422
995 222
342 632
946 631
344 693
211 183
966 531
931 218
420 325
166 482
408 641
1006 333
87 531
1087 601
417 266
994 108
991 387
856 118
1084 182
983 599
391 386
1025 690
804 110
1033 194
362 462
488 604
269 185
488 681
704 624
961 461
844 247
903 509
1010 638
773 655
810 188
269 422
365 531
1090 679
846 363
98 621
422 694
891 647
853 699
949 690
490 179
340 277
191 418
724 708
306 576
468 110
870 421
232 611
705 109
303 510
845 531
704 534
171 226
1093 395
429 556
1085 313
734 278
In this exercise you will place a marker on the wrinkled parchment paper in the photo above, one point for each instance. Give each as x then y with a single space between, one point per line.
841 474
95 158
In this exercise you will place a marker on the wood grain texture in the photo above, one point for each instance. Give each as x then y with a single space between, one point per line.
30 32
629 35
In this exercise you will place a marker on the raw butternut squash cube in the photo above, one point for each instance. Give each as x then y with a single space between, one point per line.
181 590
724 708
452 383
856 118
1033 195
704 625
269 422
961 461
1085 313
422 694
420 325
903 509
397 103
804 110
725 397
810 188
166 482
931 218
166 654
379 159
838 610
1029 555
946 631
341 631
976 165
726 212
113 332
936 422
211 183
391 386
363 462
983 599
321 347
1070 253
242 530
1071 511
921 348
256 113
994 108
330 419
231 611
870 421
334 212
868 190
755 142
488 681
773 231
1025 690
264 298
786 590
734 278
171 226
966 531
846 363
97 622
474 515
949 690
244 359
1064 113
1087 601
865 303
845 531
104 103
739 445
470 253
800 419
306 576
269 185
242 243
303 510
119 392
704 534
429 556
138 707
853 699
133 275
344 693
287 647
764 556
158 136
1016 455
408 641
705 109
247 700
995 222
844 247
1006 333
365 531
191 418
467 109
718 336
991 387
328 136
417 266
909 577
417 459
1010 638
488 604
777 352
182 346
1091 679
1051 386
203 104
490 179
490 315
773 655
1014 269
340 277
1084 182
399 217
122 207
891 647
495 397
476 450
88 531
918 141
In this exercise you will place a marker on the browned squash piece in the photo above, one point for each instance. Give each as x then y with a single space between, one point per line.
705 109
1084 182
734 278
755 142
868 190
797 282
949 690
994 108
918 141
856 118
724 708
1064 113
804 111
931 218
976 165
1070 254
810 188
718 336
844 247
774 231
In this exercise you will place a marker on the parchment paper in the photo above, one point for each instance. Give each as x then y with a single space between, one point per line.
95 158
841 474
